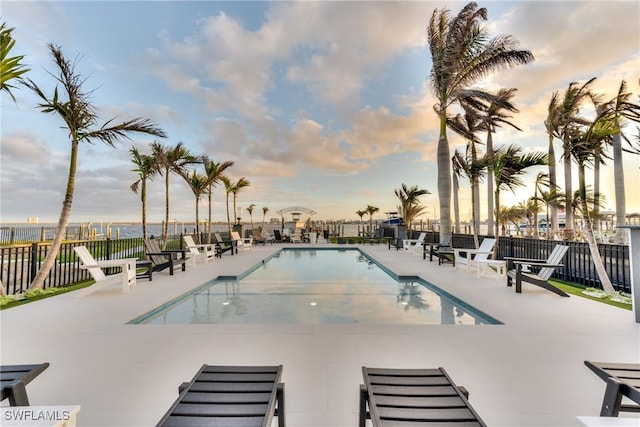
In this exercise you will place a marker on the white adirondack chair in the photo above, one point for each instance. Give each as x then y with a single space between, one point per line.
243 244
414 245
466 258
126 278
204 252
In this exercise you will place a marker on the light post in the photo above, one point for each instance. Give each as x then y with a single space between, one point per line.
238 215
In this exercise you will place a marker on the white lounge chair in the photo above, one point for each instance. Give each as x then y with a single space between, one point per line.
244 244
466 258
127 277
414 245
205 252
296 237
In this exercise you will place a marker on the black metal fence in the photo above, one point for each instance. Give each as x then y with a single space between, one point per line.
20 263
578 263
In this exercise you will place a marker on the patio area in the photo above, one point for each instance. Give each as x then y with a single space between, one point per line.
527 372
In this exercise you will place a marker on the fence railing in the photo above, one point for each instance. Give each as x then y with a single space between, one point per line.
20 263
578 263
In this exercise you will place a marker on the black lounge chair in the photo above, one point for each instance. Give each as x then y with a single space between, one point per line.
14 379
623 380
168 258
229 396
545 270
414 397
435 248
225 245
277 236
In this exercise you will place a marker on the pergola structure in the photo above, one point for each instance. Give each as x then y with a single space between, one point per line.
296 212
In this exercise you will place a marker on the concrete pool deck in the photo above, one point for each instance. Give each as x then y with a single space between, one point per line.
527 372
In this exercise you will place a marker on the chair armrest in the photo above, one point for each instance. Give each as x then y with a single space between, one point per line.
538 264
114 262
514 259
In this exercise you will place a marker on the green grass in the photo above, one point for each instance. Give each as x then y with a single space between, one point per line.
577 290
38 294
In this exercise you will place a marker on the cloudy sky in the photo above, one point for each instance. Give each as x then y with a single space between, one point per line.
319 104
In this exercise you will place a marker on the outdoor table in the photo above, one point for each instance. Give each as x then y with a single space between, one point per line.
14 379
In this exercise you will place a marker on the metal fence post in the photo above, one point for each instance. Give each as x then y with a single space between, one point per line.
33 262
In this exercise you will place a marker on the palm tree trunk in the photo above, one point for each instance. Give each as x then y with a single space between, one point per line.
228 218
553 186
197 219
587 232
490 203
568 189
475 201
536 235
456 204
50 259
596 192
444 180
143 197
618 175
165 226
209 220
497 200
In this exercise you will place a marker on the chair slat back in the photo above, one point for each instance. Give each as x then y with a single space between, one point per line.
555 257
447 241
191 245
485 249
220 240
152 247
87 259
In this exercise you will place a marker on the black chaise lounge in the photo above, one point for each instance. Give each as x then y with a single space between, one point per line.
414 397
229 396
435 248
623 380
14 379
225 245
545 270
168 258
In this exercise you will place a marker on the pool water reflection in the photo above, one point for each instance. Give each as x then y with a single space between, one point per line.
319 286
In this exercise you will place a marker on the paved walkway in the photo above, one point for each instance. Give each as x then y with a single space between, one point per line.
527 372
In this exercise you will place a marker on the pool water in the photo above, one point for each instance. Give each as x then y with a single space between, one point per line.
317 286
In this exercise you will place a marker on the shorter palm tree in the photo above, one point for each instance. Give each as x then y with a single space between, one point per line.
250 210
215 172
371 210
146 168
410 202
199 184
509 214
360 214
264 215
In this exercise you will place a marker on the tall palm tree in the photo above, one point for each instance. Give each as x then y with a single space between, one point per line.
509 164
462 52
214 172
458 165
410 202
360 214
265 209
146 168
228 185
541 182
552 124
568 119
250 210
371 210
622 109
11 67
496 115
81 121
234 188
467 126
199 184
171 159
582 146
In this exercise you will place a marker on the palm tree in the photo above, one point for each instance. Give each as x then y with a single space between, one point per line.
458 165
552 124
508 214
542 181
371 210
11 67
264 215
171 159
622 108
146 168
250 210
462 52
467 126
360 214
582 146
199 184
508 166
214 172
234 188
228 185
494 117
552 199
568 119
410 203
81 120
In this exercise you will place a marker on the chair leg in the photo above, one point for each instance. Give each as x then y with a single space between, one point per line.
364 398
519 279
280 399
612 398
18 396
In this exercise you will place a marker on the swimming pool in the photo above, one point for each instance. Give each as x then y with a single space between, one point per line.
317 286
